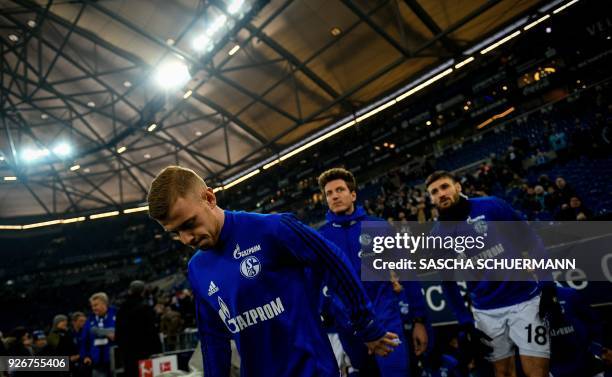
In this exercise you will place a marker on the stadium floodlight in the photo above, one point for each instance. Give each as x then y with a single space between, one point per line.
121 149
10 227
152 127
171 75
375 111
270 164
424 84
234 50
38 225
103 214
136 209
62 149
187 94
317 140
73 220
234 6
534 23
75 167
217 189
216 25
464 62
241 179
31 154
202 43
10 178
564 6
500 42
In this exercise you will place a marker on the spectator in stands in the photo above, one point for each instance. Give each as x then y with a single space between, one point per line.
545 181
574 211
183 303
99 335
136 334
540 196
77 322
563 191
40 346
171 326
20 343
513 160
551 200
529 203
60 340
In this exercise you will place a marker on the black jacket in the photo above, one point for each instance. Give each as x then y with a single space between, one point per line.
135 330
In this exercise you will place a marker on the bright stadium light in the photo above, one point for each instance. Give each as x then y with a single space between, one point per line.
10 178
234 50
240 179
534 23
216 25
104 214
152 127
500 42
202 43
136 209
31 154
62 150
564 6
234 6
172 75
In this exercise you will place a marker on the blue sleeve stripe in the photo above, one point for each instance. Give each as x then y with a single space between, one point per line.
351 290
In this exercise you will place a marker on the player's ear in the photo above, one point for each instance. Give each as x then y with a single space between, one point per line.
209 196
458 187
353 196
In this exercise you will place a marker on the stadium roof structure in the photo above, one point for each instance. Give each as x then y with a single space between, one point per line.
85 126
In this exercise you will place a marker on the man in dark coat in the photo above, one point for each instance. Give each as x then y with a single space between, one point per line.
136 334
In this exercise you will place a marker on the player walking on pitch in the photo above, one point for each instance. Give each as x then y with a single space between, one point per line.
250 284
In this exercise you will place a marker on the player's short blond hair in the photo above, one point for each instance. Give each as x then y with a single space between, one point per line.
171 183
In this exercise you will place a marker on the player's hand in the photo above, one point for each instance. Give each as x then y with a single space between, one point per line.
419 338
111 336
87 361
384 345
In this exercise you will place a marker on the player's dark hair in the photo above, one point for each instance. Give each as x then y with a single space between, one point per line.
439 174
337 173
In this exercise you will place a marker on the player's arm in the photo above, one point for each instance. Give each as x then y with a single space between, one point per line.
214 337
457 302
311 249
416 300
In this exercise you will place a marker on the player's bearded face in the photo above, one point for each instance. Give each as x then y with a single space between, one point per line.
444 193
340 199
192 218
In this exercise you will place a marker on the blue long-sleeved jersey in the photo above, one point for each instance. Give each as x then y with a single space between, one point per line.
486 294
253 286
345 231
94 343
575 342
